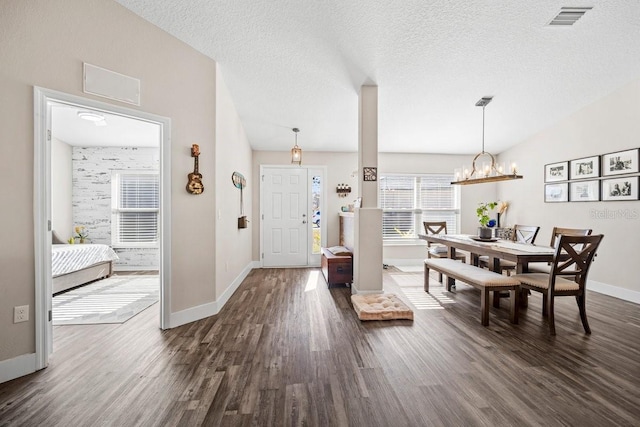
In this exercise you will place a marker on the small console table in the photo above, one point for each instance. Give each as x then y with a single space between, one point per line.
337 269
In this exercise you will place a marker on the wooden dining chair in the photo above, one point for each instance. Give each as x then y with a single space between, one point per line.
568 232
435 250
568 277
525 234
543 267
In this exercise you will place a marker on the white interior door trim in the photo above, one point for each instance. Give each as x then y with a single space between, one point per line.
42 208
312 260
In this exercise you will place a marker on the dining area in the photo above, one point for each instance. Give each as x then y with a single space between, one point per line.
511 264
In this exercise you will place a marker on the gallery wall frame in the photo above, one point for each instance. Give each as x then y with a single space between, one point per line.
555 193
620 162
584 191
586 167
603 177
618 189
556 172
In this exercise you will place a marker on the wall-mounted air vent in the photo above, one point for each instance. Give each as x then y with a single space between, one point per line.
568 16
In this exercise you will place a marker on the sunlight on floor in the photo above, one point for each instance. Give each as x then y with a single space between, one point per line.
312 282
435 300
411 285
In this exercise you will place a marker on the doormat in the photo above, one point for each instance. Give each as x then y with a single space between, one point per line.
112 300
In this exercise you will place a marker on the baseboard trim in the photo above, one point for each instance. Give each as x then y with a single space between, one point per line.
404 261
595 286
192 314
17 367
118 268
355 290
614 291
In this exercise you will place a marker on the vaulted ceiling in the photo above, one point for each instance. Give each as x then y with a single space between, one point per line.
300 63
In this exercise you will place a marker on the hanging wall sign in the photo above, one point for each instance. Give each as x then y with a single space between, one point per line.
240 182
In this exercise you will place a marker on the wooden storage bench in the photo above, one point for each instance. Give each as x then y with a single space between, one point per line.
479 278
337 269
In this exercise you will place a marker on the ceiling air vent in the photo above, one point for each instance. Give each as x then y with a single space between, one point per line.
568 16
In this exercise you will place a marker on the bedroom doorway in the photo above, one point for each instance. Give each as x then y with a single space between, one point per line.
143 171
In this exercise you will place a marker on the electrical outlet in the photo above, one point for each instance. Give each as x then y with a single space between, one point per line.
20 313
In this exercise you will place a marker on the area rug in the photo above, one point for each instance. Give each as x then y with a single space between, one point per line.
380 307
112 300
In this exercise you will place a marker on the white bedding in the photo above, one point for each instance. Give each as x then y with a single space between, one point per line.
69 258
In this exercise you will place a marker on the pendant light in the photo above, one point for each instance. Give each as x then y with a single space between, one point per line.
488 172
296 152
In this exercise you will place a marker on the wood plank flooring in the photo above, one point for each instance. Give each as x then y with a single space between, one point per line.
286 350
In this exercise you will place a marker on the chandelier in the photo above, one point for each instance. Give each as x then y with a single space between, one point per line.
488 171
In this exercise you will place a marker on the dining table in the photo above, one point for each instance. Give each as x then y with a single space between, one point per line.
495 249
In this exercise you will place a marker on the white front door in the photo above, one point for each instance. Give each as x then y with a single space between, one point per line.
285 217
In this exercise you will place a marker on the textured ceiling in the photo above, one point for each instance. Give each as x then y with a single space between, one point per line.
300 63
117 131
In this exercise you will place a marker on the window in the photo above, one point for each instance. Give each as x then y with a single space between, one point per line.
135 206
408 200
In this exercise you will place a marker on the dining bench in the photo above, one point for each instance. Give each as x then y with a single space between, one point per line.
485 280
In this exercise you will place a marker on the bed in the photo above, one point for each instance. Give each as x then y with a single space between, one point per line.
75 265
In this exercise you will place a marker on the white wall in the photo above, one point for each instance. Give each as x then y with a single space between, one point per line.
608 125
341 165
233 245
61 189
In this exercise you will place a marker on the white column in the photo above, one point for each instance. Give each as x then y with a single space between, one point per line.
367 257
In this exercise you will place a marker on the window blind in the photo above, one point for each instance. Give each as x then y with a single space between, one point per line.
407 200
137 210
438 201
397 199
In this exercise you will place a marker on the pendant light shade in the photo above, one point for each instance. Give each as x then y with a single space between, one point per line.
488 172
296 152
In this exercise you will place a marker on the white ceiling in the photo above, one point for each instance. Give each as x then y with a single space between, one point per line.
300 63
117 131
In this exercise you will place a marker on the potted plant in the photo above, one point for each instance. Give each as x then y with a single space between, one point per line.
484 232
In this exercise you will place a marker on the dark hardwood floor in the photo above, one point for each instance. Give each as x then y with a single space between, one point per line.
286 350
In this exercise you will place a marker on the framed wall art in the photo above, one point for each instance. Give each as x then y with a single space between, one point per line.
621 162
588 167
620 188
370 174
556 192
584 191
556 172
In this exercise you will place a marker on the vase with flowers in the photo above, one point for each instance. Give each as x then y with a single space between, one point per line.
81 233
502 210
482 212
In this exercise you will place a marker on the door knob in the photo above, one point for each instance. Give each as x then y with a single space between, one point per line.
304 222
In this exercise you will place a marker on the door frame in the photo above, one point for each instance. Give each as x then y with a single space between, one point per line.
313 260
42 208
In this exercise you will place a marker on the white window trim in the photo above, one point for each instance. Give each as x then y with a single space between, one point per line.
115 185
417 212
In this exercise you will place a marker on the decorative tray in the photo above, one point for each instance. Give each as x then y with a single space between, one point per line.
478 239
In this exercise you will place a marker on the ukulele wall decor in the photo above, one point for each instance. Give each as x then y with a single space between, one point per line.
195 186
